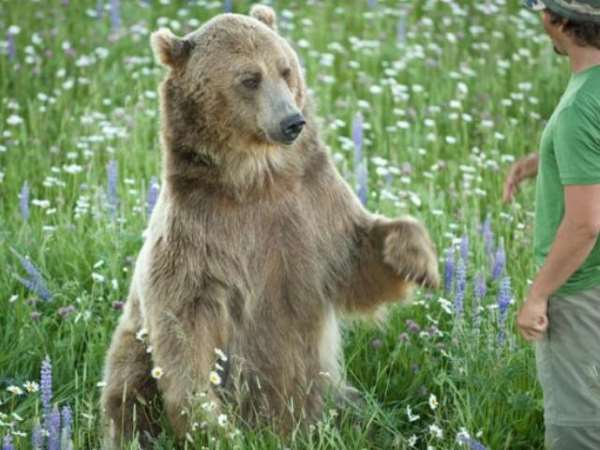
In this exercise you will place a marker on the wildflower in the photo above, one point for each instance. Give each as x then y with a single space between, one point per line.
499 261
141 334
461 280
157 373
433 403
412 326
153 192
66 311
98 278
118 305
436 431
31 386
464 438
112 195
214 378
464 247
7 443
360 164
412 440
479 291
46 386
411 417
503 301
448 270
10 43
37 437
401 30
53 429
220 354
24 201
14 120
488 235
67 423
35 282
222 420
16 390
115 15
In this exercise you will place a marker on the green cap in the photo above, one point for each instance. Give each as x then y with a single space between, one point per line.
581 10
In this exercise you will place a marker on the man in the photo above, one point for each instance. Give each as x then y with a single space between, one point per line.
562 308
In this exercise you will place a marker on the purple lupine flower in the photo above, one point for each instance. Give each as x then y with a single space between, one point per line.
46 388
488 235
37 437
448 271
499 261
112 171
401 29
461 284
66 311
360 164
362 182
412 326
503 300
67 424
35 282
357 137
470 442
39 289
228 6
7 443
479 291
24 201
53 429
10 46
464 248
99 9
153 192
115 16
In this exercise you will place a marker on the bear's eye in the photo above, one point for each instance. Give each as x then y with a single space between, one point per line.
286 73
252 82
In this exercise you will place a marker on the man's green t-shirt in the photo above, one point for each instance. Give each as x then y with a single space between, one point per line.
569 154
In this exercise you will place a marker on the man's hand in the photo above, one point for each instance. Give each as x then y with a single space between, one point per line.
524 168
533 318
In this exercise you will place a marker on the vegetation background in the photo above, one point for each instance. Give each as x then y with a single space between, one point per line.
424 104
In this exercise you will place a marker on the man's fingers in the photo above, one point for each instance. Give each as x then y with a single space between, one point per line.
532 335
508 189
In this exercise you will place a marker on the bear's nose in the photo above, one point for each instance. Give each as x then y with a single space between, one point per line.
292 126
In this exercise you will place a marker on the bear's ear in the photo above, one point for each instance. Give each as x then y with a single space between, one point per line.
169 49
265 14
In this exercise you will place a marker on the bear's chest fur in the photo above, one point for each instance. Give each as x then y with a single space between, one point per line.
267 257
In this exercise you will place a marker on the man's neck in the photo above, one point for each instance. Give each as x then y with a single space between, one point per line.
583 58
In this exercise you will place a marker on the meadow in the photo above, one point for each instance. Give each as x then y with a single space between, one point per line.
424 105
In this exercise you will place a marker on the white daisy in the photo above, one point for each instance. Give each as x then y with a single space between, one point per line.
157 373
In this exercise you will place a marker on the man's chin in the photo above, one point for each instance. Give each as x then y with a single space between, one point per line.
558 51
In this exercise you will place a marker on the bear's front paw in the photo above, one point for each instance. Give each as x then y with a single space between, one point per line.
408 249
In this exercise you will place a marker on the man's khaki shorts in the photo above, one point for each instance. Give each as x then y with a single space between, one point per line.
568 366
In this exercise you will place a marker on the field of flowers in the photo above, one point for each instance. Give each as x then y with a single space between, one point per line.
424 104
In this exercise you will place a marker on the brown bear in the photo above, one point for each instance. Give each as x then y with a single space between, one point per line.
256 246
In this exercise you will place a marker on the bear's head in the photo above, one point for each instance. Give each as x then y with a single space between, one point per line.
233 84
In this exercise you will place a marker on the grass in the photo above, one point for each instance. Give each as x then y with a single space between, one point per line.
450 93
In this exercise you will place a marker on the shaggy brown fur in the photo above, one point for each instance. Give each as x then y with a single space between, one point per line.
254 247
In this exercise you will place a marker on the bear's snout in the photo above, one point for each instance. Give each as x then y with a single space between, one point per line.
291 127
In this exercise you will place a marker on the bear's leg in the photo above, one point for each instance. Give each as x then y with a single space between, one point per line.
130 393
187 340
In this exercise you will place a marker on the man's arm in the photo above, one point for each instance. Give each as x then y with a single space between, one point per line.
526 167
575 239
